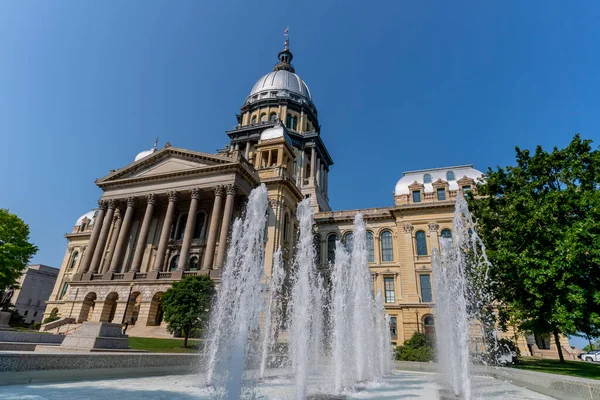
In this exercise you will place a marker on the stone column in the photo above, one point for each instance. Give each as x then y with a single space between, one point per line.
313 164
101 244
188 235
141 242
113 240
433 236
225 225
164 233
123 236
212 232
89 254
247 151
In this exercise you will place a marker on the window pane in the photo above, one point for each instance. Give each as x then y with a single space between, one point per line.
388 284
450 176
416 196
387 250
427 178
198 228
425 288
421 243
466 188
370 248
441 194
447 234
331 248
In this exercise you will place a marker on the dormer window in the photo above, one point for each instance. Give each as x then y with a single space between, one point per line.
450 176
427 178
416 194
441 194
466 188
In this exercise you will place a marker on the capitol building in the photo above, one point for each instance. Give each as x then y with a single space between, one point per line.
168 214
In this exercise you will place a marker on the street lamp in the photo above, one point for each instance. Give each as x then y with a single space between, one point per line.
127 304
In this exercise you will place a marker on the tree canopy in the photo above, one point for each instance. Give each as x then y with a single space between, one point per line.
186 305
540 221
15 250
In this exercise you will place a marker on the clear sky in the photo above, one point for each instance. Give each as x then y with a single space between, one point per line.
86 85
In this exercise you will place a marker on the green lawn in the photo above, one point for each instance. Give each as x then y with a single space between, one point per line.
163 345
573 368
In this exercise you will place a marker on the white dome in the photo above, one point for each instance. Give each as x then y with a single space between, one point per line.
459 171
275 132
144 153
281 80
89 215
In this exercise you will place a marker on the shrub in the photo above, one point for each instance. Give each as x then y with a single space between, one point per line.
51 318
36 326
419 347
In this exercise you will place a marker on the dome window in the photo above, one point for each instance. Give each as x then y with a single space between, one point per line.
291 122
273 116
427 178
450 176
253 120
263 117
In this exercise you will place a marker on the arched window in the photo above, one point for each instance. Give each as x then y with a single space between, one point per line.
253 120
446 234
286 226
317 246
370 247
173 263
450 176
428 323
273 116
74 260
263 117
348 241
421 243
387 248
199 227
182 221
331 239
193 264
427 178
291 121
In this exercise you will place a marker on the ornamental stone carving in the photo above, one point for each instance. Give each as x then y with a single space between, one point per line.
131 202
231 190
117 214
273 203
196 193
102 204
433 226
112 203
172 195
408 228
151 198
219 190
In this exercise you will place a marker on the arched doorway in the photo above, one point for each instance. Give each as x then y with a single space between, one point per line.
109 307
155 315
87 308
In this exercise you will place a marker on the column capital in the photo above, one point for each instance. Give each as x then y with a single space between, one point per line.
408 228
102 204
117 214
196 193
151 198
231 189
112 203
219 190
172 195
131 202
433 226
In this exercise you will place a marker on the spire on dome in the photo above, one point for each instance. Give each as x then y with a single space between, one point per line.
285 56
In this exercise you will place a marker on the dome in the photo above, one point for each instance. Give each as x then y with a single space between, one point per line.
275 132
89 215
281 80
456 173
144 153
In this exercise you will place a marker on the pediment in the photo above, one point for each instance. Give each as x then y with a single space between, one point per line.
166 162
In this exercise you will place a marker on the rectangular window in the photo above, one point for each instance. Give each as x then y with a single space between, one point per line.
441 193
390 296
466 188
394 328
63 291
426 295
417 196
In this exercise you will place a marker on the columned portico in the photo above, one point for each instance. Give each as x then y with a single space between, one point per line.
166 229
106 225
117 258
225 225
91 247
214 225
143 237
113 240
189 230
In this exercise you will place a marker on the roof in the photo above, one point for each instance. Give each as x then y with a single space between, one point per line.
460 171
281 80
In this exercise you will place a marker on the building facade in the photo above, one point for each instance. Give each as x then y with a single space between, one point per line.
35 287
167 215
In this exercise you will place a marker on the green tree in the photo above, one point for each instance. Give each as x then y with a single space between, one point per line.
540 221
186 305
15 252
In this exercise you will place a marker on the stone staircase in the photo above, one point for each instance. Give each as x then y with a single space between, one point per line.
55 326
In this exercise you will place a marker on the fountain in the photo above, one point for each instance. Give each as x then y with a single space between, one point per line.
462 294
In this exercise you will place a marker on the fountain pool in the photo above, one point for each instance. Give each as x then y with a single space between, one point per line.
397 385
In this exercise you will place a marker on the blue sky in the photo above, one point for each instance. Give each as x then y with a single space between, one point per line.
86 85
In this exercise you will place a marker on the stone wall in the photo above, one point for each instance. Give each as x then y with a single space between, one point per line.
30 337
